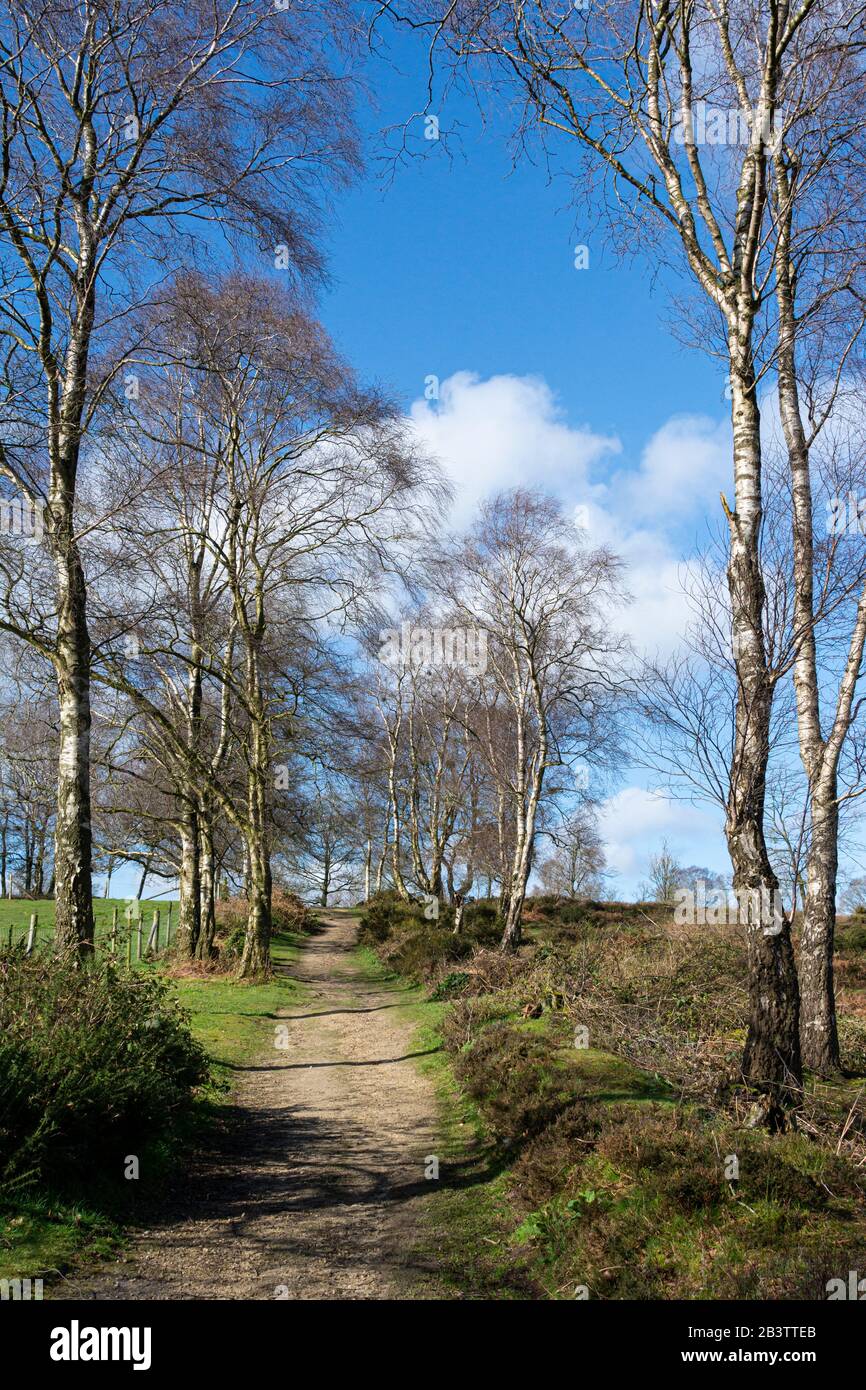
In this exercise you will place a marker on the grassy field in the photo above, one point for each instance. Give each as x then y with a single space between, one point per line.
15 916
43 1233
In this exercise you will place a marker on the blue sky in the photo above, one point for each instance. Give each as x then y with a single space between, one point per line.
459 265
463 262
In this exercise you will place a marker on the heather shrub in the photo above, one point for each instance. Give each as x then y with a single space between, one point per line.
288 914
511 1076
94 1064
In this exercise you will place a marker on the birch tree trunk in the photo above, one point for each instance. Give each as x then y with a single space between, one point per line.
189 911
526 817
819 1034
393 734
73 931
517 882
207 929
189 924
459 908
396 867
503 856
413 802
256 957
819 1038
326 876
396 837
383 857
771 1060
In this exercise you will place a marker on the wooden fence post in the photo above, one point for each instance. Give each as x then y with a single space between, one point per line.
138 929
113 932
153 939
31 935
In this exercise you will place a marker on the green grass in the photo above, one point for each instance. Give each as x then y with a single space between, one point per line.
610 1080
42 1234
235 1020
15 913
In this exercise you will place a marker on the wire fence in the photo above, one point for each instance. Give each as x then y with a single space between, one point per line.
128 938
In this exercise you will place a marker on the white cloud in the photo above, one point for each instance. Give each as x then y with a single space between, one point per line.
508 430
495 434
636 820
684 467
658 612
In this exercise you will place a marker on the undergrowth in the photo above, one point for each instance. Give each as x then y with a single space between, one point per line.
602 1063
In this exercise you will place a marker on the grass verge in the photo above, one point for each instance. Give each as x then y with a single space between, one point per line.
468 1213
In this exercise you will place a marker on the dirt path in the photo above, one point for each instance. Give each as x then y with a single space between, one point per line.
318 1190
